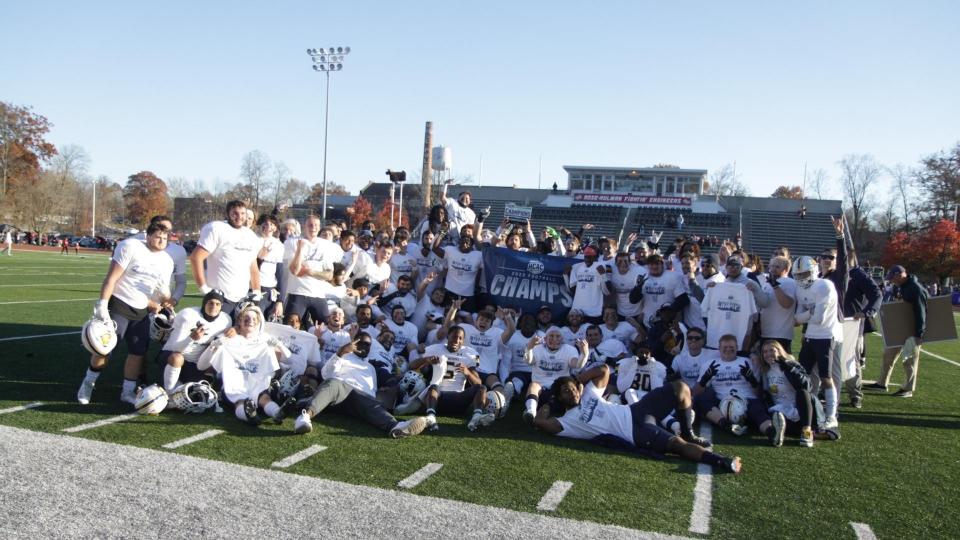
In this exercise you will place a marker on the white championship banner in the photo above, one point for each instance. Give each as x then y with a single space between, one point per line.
517 213
304 347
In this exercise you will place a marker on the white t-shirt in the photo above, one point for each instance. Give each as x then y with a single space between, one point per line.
407 301
588 296
377 273
642 378
487 344
777 321
622 284
570 337
596 416
425 310
458 216
425 264
274 257
318 254
729 381
623 332
176 252
246 366
360 266
184 323
402 264
690 367
453 380
146 274
462 269
356 372
781 392
817 308
606 351
232 251
729 309
516 347
660 290
549 365
404 334
330 342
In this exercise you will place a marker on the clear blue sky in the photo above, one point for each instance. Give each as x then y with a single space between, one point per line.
186 88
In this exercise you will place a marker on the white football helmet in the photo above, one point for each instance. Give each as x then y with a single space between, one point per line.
99 336
496 403
194 397
288 384
412 383
805 271
151 400
161 324
734 408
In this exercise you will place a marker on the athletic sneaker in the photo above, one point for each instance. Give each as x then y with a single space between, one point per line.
876 386
697 440
432 423
128 397
738 429
528 417
85 392
508 391
831 423
806 438
479 420
409 428
732 464
856 403
779 427
903 393
303 423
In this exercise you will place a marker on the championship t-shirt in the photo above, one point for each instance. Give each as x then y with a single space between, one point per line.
516 347
588 296
729 309
595 416
729 380
462 269
622 284
487 344
690 367
232 251
777 321
317 255
660 290
146 274
184 323
274 257
549 365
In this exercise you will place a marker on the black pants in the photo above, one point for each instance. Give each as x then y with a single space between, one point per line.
345 400
303 305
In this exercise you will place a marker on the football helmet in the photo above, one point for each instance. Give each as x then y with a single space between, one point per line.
151 400
734 408
288 384
161 324
193 397
412 383
99 336
805 272
496 403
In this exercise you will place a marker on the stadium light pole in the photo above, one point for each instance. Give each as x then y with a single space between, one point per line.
326 61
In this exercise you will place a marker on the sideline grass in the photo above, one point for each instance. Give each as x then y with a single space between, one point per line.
895 468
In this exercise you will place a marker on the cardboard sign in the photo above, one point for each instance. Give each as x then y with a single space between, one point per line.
517 213
849 356
896 322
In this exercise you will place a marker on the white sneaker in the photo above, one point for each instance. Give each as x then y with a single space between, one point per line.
479 420
129 397
85 392
486 419
432 423
831 423
409 428
303 423
738 429
779 428
508 391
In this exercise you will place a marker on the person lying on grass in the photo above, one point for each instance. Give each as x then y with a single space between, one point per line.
586 415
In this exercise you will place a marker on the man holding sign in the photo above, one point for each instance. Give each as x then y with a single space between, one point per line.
910 291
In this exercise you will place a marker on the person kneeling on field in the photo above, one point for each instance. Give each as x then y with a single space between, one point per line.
586 415
193 331
350 387
247 363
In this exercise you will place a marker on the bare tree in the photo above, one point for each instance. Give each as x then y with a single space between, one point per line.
887 219
254 170
281 175
179 186
725 182
903 189
858 178
819 183
293 191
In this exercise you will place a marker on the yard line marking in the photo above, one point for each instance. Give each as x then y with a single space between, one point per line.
53 284
702 492
938 357
554 496
418 477
195 438
298 457
33 405
863 531
99 423
47 301
55 274
38 336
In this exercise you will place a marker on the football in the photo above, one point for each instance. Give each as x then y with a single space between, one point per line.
734 409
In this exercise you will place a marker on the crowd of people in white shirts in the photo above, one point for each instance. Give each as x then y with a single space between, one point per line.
656 335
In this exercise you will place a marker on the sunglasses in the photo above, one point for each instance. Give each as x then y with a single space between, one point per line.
828 257
694 338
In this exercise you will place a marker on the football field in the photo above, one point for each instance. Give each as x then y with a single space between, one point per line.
894 474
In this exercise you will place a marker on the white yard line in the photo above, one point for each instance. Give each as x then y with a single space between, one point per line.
702 492
418 477
5 274
18 338
53 285
195 438
99 423
33 405
938 357
298 457
863 531
554 496
47 301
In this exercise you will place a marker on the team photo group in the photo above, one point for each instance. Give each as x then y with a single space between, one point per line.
631 343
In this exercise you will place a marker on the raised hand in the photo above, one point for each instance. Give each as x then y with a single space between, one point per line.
748 375
709 374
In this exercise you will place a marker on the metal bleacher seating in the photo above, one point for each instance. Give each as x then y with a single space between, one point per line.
767 230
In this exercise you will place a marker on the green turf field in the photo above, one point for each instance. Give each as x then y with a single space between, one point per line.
896 468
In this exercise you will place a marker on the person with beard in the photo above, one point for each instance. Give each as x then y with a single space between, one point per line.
544 318
463 268
355 258
622 281
426 262
194 328
656 289
399 294
575 328
459 211
551 358
230 252
588 285
350 387
519 369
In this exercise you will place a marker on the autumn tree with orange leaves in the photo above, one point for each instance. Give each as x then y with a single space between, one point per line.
932 252
145 196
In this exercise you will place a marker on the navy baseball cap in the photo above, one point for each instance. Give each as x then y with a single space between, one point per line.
894 271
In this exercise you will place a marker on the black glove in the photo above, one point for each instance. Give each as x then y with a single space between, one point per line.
708 374
749 376
641 279
774 282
